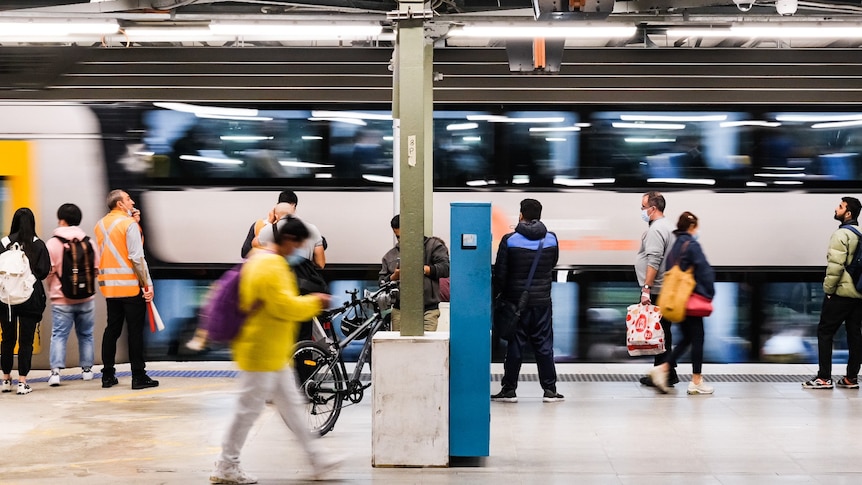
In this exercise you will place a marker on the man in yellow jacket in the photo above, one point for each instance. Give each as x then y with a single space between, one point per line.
268 291
125 282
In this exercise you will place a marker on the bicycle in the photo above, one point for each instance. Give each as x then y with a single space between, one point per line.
319 363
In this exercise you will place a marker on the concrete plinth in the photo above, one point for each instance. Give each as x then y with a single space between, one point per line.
410 415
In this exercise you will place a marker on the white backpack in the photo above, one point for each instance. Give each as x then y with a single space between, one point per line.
16 278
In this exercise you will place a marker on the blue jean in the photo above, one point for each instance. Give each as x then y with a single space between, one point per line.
83 316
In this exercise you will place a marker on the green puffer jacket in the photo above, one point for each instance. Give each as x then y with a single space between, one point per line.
842 246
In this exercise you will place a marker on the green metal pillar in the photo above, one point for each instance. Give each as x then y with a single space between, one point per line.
412 110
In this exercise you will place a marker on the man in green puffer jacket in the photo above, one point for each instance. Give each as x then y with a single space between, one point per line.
841 304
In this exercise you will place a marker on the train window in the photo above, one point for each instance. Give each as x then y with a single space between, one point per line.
789 331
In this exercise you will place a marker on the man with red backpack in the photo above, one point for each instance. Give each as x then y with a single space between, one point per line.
71 288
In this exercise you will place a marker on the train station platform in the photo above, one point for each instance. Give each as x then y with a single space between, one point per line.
760 427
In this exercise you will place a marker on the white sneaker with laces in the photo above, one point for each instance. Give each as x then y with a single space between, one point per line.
7 385
231 473
87 374
24 388
54 380
701 388
325 464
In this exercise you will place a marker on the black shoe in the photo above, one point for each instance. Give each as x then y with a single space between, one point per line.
505 395
109 381
143 382
647 381
672 379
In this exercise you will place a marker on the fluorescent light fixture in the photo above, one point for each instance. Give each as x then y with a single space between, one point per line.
506 119
806 118
388 138
788 182
462 126
145 154
650 140
673 118
780 175
821 31
554 139
477 183
377 178
220 161
168 34
323 175
296 31
755 184
554 129
472 138
649 126
207 110
520 179
298 164
234 118
244 138
836 124
351 114
56 28
795 169
676 180
546 30
568 182
731 124
349 121
311 137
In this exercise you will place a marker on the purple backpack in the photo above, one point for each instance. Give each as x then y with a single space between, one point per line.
220 314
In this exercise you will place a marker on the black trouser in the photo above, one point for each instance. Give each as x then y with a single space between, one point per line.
837 310
692 335
668 348
536 327
21 329
133 311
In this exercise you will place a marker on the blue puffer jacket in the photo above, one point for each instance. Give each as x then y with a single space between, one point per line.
704 275
515 257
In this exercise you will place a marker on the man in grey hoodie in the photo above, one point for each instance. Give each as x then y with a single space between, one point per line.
656 243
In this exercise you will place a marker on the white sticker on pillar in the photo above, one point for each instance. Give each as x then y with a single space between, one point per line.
411 150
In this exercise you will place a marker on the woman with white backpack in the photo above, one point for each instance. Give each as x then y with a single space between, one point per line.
18 318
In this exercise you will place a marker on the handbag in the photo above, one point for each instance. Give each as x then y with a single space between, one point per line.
698 306
308 277
644 332
676 288
507 315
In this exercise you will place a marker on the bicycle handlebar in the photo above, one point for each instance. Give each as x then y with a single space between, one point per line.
354 301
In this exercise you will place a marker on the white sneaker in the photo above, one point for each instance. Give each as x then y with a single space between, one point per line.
7 385
24 388
701 388
231 473
54 380
659 378
325 465
87 374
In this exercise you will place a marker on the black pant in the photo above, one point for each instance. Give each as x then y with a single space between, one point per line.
668 348
692 334
537 328
133 311
21 329
837 310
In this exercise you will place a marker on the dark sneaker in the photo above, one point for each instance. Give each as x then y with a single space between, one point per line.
109 381
552 396
817 383
505 395
646 381
672 378
847 383
143 382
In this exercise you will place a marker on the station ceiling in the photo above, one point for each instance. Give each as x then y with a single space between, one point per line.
652 19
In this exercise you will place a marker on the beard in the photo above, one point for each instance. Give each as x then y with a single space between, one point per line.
838 218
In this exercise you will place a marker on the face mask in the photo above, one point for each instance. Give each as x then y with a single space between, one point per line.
696 237
294 259
645 215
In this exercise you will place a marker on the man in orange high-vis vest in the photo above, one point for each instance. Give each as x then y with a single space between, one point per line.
125 282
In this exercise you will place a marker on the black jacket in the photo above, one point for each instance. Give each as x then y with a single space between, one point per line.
515 257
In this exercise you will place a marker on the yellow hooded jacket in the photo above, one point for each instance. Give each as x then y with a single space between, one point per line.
268 335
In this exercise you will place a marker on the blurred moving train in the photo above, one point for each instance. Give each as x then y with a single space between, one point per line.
764 184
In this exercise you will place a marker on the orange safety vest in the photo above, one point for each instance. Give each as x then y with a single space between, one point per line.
116 275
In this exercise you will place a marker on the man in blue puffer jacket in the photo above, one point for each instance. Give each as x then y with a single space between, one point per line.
511 271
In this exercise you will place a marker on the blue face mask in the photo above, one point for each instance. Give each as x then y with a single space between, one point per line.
645 215
695 236
294 259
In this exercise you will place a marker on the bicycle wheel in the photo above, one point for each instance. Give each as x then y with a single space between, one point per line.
322 382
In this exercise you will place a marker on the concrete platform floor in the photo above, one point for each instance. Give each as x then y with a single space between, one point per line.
606 432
